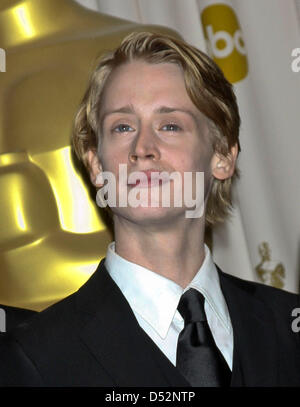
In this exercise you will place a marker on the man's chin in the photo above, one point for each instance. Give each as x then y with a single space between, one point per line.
148 215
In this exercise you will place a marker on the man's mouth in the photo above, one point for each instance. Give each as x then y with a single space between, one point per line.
148 179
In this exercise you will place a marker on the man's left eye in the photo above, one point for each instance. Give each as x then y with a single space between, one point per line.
123 128
171 127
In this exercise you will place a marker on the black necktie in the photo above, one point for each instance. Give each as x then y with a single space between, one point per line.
198 357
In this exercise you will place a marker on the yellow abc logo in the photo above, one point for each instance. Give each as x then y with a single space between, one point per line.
224 41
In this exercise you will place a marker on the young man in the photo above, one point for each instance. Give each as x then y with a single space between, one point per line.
158 311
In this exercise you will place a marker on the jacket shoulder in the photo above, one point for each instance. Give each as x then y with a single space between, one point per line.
275 298
51 325
16 368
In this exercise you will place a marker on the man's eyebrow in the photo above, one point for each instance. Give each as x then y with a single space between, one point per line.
166 109
161 110
124 109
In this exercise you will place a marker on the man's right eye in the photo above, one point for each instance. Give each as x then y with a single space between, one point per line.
123 128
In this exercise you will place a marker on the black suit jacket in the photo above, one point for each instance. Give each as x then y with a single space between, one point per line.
14 316
92 338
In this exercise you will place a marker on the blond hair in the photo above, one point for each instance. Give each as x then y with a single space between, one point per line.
206 85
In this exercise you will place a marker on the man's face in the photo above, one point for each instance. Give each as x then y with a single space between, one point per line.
149 123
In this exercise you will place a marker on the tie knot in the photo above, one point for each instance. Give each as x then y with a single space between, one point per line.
191 306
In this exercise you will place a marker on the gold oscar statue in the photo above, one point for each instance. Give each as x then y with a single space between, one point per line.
51 233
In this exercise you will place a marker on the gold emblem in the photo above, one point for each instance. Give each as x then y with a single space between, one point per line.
269 271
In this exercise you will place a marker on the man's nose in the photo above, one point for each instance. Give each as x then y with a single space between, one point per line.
144 146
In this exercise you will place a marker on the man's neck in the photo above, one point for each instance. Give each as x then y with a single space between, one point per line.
176 253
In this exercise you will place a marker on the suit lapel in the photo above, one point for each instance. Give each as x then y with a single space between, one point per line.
113 335
115 338
255 361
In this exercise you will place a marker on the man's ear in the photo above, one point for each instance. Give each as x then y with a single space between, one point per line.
94 168
223 166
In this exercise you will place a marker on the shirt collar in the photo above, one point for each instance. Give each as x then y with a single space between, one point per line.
155 298
207 282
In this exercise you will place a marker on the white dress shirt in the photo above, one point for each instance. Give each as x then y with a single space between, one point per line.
154 300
